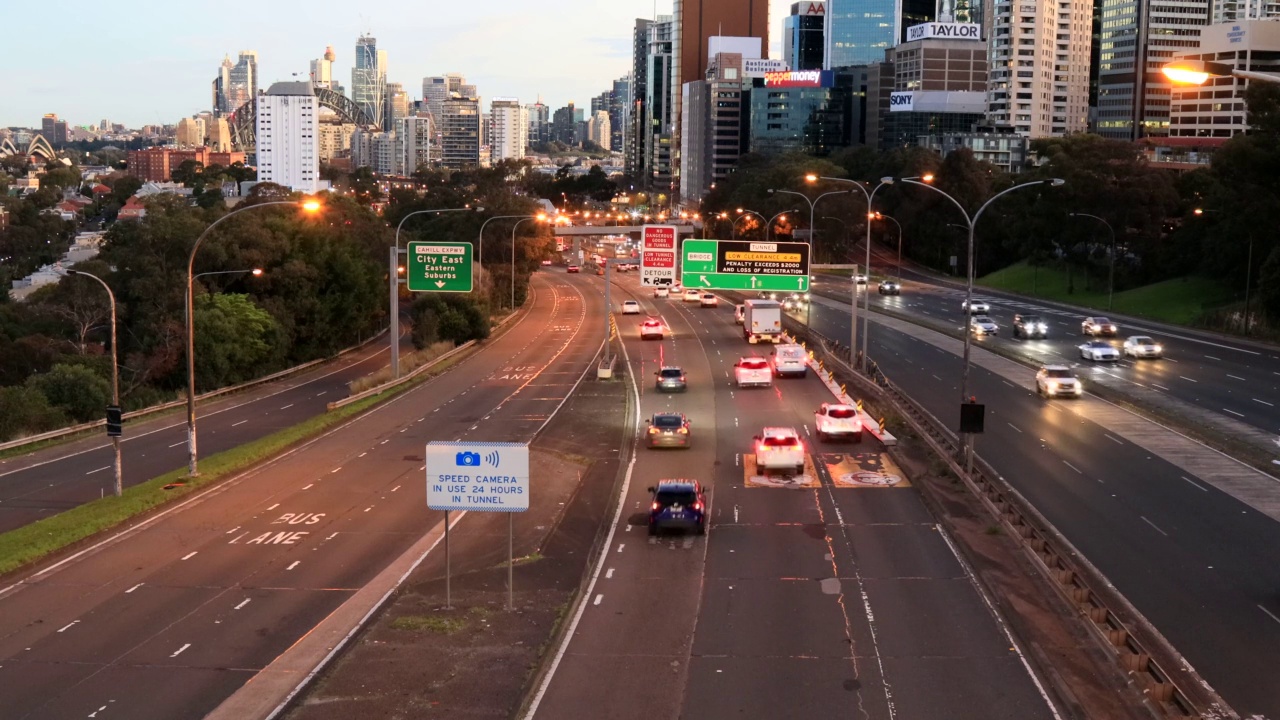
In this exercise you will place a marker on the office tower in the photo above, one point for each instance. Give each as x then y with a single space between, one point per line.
396 105
1137 38
286 134
713 125
659 124
469 91
369 79
243 83
322 69
808 112
219 135
599 130
53 129
221 87
859 31
636 135
802 32
378 150
456 81
1217 108
510 132
1237 10
1039 59
417 135
939 85
564 125
460 133
619 101
435 90
539 123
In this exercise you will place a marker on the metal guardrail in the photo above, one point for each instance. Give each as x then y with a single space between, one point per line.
1172 686
145 412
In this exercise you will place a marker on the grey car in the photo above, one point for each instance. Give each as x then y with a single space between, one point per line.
670 379
669 430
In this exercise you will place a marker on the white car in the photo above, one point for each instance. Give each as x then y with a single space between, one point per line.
692 295
652 328
981 325
975 307
661 292
1099 350
630 307
739 314
860 279
1141 346
779 449
709 300
677 289
752 372
1055 380
836 421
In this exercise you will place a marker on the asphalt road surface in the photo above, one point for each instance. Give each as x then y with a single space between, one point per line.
806 601
57 478
1197 562
170 618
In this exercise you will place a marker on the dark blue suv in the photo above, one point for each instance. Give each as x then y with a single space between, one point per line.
678 504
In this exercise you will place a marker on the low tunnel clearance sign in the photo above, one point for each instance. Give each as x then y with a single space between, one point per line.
439 267
745 265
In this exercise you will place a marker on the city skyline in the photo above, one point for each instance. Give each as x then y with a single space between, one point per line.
158 76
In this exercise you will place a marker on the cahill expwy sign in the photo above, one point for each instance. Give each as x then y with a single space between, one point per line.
950 31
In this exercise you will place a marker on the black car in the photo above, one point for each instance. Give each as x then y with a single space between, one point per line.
678 504
889 287
1030 326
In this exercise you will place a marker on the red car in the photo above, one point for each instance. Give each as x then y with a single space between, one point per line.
573 269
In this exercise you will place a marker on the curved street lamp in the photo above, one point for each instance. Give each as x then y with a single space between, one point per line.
733 234
768 228
1111 273
115 376
309 205
539 217
880 216
812 204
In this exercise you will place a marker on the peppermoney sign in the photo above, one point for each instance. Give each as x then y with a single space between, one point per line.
439 267
745 265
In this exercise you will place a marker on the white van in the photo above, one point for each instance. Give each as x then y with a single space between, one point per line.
738 314
790 360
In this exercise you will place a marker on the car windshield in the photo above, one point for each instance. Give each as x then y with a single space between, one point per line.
1140 340
651 323
672 372
1058 373
631 303
842 412
667 498
1099 345
754 364
667 421
780 442
707 296
1101 321
1030 319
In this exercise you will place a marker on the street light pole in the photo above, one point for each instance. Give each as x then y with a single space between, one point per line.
768 228
192 455
115 376
1111 273
881 216
812 204
393 282
513 256
734 230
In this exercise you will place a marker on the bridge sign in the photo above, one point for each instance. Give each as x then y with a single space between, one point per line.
658 255
439 267
485 476
745 265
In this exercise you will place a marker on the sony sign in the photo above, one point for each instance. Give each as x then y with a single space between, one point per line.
949 31
901 101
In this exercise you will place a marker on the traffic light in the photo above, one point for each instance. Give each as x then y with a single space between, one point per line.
115 421
971 417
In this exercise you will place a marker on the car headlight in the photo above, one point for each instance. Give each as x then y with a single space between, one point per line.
1158 348
1042 327
1053 384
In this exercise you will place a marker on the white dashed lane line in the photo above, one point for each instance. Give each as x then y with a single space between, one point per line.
1233 412
242 603
180 650
239 423
190 555
1157 528
1193 484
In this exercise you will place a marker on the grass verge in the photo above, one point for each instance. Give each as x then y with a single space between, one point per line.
429 623
38 540
1180 301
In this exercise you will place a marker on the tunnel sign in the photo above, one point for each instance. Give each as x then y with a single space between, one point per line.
439 267
745 265
489 477
658 255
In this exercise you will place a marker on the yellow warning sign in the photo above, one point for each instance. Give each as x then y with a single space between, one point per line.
864 470
762 257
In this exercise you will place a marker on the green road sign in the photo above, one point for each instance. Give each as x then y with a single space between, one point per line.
439 267
745 265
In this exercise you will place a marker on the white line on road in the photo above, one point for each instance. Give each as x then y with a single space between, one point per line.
68 626
335 470
332 536
321 393
1144 519
1112 439
273 507
1234 377
308 487
363 454
935 377
135 587
242 603
1015 427
384 442
395 488
1073 467
1160 386
620 546
294 564
1184 377
190 555
1213 358
609 575
1193 484
599 597
286 407
95 712
1006 382
184 442
1264 402
368 508
239 423
1233 412
1269 614
105 467
179 650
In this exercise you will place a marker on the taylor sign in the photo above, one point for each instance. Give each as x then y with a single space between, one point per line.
950 31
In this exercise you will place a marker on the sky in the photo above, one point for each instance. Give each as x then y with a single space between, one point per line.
154 62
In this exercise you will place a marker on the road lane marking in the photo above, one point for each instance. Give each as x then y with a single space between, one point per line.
1112 439
308 487
1144 519
1160 386
68 626
95 712
620 546
1015 427
599 597
1264 402
179 650
332 536
1073 467
368 508
1184 377
135 587
1269 614
239 423
190 555
286 407
294 564
183 442
273 507
335 470
1233 412
105 467
395 488
1193 484
1235 377
242 603
232 530
1213 358
609 575
1006 382
321 393
363 454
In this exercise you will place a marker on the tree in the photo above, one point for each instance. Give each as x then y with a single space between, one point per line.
124 188
75 390
187 173
235 340
79 302
25 410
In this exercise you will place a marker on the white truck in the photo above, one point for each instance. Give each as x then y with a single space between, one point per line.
762 321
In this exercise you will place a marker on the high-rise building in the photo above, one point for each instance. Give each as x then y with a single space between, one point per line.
714 117
858 32
1039 59
243 85
467 90
510 132
939 86
1236 10
659 122
637 132
286 136
333 136
460 133
377 150
797 112
1217 108
322 69
54 130
369 79
397 105
539 123
417 135
599 130
222 87
1137 37
564 125
435 90
619 99
802 31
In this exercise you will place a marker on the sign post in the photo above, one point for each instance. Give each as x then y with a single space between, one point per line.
439 267
658 255
745 265
482 476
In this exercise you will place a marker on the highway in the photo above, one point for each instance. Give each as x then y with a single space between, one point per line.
169 618
805 600
1195 560
57 478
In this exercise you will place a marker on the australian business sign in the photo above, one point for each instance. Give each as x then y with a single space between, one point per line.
950 31
800 79
759 67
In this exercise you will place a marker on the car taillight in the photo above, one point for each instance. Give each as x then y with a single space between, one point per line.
655 506
681 378
684 431
653 430
697 505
